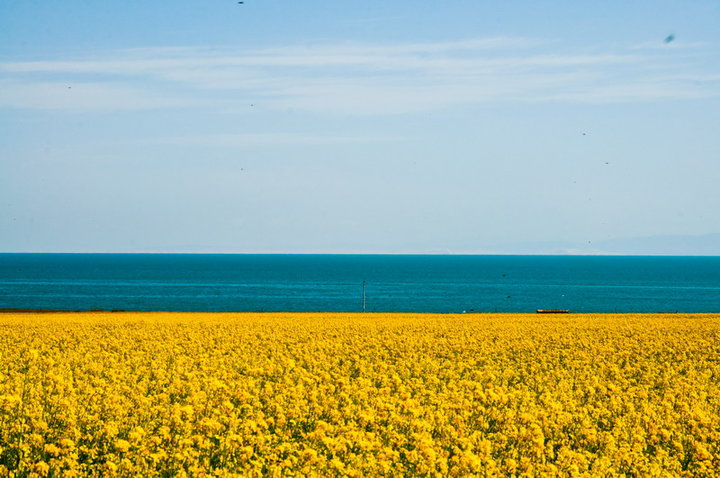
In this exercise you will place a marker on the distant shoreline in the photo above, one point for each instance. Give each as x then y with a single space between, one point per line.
438 254
24 311
61 311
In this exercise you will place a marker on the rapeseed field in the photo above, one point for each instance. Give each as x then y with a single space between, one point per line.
166 394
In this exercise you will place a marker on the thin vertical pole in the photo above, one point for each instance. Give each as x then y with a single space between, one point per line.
363 296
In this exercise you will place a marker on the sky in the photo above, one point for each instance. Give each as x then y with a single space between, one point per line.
463 126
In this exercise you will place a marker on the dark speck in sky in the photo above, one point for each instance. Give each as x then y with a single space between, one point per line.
669 38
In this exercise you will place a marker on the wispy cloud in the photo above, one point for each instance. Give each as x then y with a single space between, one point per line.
361 78
666 46
85 95
261 139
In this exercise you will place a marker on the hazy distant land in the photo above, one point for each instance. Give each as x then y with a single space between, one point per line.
666 245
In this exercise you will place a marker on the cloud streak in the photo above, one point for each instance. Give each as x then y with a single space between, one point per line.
359 79
263 139
85 96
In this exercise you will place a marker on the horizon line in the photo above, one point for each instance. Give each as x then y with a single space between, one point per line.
275 253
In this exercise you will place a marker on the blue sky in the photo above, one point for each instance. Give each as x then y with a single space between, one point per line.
426 127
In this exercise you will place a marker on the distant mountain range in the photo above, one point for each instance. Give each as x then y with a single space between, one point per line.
666 245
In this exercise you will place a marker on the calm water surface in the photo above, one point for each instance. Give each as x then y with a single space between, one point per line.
226 282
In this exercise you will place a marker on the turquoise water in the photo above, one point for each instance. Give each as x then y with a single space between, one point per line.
222 282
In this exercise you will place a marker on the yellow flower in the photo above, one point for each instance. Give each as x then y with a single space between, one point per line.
41 468
339 394
122 445
52 449
136 434
67 443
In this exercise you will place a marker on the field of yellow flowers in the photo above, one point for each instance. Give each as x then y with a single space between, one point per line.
171 394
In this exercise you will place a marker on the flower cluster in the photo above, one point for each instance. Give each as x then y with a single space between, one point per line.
146 394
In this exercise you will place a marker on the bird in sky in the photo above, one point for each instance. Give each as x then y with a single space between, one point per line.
669 38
